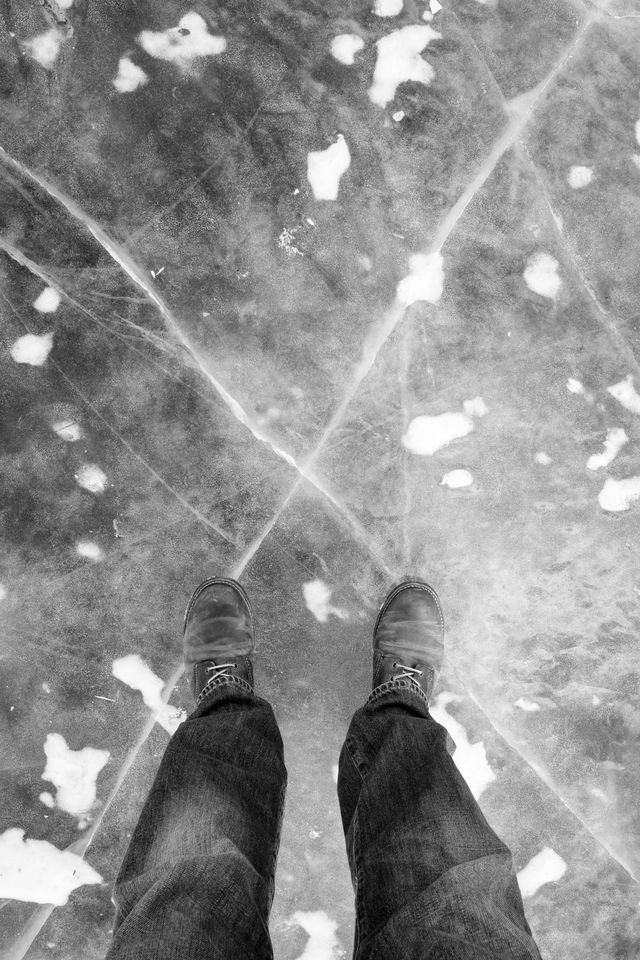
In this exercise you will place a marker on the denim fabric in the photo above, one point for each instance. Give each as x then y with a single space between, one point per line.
432 880
198 878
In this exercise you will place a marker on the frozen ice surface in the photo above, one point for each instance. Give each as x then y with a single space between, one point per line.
264 375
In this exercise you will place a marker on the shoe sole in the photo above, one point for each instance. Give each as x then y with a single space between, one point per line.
226 581
405 585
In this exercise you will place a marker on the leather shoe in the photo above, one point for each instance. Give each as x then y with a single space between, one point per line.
408 637
218 636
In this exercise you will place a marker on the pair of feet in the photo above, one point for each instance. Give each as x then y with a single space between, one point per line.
408 636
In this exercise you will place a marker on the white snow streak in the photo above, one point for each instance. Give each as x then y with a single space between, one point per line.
616 439
345 46
183 44
37 872
425 280
317 596
399 61
469 758
618 495
129 77
48 301
73 773
545 867
32 349
625 393
138 675
326 167
541 275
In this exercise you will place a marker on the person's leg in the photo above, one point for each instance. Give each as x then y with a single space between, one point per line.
198 878
432 879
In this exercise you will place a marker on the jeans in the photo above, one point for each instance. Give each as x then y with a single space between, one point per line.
431 878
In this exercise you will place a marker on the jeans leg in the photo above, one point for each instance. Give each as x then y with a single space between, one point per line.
432 879
198 878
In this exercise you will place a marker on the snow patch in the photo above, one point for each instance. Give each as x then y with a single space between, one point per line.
618 495
326 167
545 867
45 47
65 4
387 8
335 769
129 77
138 675
46 686
89 550
616 439
3 592
541 275
323 943
425 280
37 872
574 386
469 758
32 349
73 773
48 301
92 478
476 407
530 706
399 61
579 177
638 130
425 435
317 596
456 479
183 44
68 430
345 46
543 458
398 116
625 393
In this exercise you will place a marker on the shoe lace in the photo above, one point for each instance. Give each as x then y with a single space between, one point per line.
220 670
411 673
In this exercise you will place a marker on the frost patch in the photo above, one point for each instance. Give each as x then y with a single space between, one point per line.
73 773
138 675
456 479
183 44
32 349
616 439
317 596
541 275
92 478
387 8
326 167
425 280
45 47
580 177
345 46
399 61
618 495
425 435
323 943
529 706
68 430
48 301
545 867
129 77
625 393
469 758
89 550
37 872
